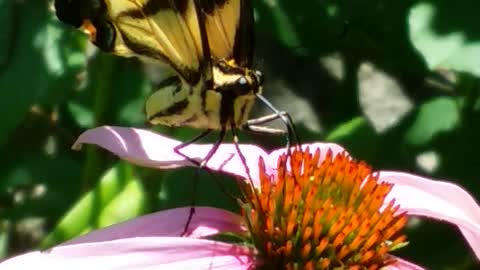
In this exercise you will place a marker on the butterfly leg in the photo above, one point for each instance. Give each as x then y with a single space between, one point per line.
255 125
177 149
201 165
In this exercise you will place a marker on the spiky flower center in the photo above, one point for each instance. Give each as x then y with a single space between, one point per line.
322 215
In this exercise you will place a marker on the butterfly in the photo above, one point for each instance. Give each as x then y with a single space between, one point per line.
207 43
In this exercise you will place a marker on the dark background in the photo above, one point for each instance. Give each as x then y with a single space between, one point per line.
395 82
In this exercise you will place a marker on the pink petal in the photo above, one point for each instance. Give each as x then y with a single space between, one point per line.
436 199
206 221
401 264
138 253
149 149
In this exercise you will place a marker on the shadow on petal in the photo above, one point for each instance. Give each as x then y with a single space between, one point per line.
206 221
148 149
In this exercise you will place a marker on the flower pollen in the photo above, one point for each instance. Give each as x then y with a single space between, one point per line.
322 215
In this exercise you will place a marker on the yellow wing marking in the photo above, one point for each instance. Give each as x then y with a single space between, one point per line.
221 26
154 30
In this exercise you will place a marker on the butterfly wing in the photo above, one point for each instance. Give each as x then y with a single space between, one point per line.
163 31
229 27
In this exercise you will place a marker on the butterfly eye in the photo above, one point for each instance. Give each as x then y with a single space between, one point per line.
242 81
259 76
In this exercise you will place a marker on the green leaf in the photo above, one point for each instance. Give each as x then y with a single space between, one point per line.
4 237
358 137
38 60
346 130
132 110
452 50
284 26
119 196
129 203
84 116
436 116
115 91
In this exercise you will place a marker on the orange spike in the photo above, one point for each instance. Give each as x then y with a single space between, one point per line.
306 249
323 263
371 240
344 251
367 256
288 251
321 246
308 266
338 241
307 233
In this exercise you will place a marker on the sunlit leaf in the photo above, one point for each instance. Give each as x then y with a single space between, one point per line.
433 118
119 196
453 50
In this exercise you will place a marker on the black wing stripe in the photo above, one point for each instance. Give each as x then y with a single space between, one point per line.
206 64
180 38
243 46
150 8
142 49
173 80
206 61
175 108
191 76
209 6
181 6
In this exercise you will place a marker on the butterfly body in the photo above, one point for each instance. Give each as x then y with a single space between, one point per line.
221 103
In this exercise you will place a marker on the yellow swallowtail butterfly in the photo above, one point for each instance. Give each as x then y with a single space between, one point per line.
209 45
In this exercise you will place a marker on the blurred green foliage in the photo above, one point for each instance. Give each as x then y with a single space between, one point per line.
395 82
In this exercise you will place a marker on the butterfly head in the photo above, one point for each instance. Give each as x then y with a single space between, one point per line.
237 81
